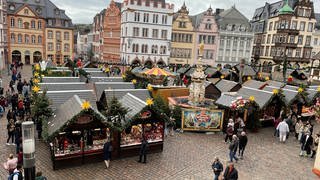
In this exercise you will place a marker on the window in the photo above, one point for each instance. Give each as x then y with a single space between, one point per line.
145 17
135 31
302 26
66 48
182 24
50 35
289 53
136 16
275 26
155 18
163 49
315 41
26 39
135 48
66 36
164 19
39 25
145 32
164 34
300 40
308 41
13 38
208 26
291 39
50 46
307 13
310 27
12 22
50 22
300 12
273 39
298 52
58 35
154 49
39 39
58 47
19 38
26 11
268 38
19 23
267 51
270 26
33 24
144 48
33 39
155 33
294 25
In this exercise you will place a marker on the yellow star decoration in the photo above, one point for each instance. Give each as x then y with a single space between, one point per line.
300 90
267 78
134 81
318 89
251 98
85 105
275 91
149 101
36 81
149 87
42 75
222 77
123 76
36 89
36 74
37 67
249 78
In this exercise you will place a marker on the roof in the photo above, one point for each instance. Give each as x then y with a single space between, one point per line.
232 16
226 99
183 70
63 86
247 70
275 83
225 85
210 70
106 79
134 104
97 74
214 80
60 79
59 97
254 84
261 97
101 86
271 9
286 9
66 112
142 94
289 94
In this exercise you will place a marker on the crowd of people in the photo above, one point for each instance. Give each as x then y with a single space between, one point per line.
17 101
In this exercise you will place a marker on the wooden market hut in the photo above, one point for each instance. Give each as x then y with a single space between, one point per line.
63 86
76 135
105 79
254 84
227 86
99 87
211 91
60 79
166 91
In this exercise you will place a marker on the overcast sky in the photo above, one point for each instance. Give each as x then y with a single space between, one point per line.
83 11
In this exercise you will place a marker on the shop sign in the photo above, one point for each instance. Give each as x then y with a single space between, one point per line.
145 114
84 119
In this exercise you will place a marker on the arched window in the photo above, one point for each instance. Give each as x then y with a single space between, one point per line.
33 39
33 24
12 22
39 25
39 39
19 38
20 25
13 38
66 48
26 39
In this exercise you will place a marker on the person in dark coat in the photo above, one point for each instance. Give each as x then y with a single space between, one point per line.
306 144
143 150
233 148
107 149
17 136
19 86
243 140
217 168
39 128
230 173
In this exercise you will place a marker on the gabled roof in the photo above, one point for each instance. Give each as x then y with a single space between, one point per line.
60 79
225 85
101 86
226 99
97 74
254 84
262 98
59 97
232 16
63 86
289 94
134 104
275 83
247 70
142 94
106 79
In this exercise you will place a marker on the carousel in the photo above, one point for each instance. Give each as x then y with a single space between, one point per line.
157 76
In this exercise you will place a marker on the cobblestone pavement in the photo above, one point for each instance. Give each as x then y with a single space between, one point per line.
185 156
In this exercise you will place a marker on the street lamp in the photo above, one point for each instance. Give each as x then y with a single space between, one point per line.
28 144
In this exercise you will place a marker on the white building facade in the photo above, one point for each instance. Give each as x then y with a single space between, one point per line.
3 34
146 27
82 45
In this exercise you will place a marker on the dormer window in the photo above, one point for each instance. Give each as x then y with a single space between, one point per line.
38 10
57 12
26 11
12 7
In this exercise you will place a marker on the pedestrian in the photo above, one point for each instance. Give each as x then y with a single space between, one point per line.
275 124
243 140
233 148
315 145
27 105
20 86
17 173
230 173
39 128
18 138
10 128
25 89
306 143
143 150
217 168
20 156
297 128
107 150
230 130
283 129
11 164
39 176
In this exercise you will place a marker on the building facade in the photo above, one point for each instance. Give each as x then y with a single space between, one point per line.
82 45
38 30
287 36
146 27
183 38
3 34
235 37
111 35
98 31
207 33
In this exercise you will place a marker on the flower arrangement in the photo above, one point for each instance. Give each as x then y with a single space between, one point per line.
290 79
300 90
249 78
239 103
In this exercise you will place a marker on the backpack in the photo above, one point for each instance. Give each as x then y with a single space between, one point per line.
13 174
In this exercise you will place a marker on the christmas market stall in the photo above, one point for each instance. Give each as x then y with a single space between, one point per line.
142 121
76 133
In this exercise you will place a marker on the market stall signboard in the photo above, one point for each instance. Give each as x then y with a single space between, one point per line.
202 120
85 119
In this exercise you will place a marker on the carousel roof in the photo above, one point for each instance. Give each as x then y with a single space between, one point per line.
226 99
275 83
158 72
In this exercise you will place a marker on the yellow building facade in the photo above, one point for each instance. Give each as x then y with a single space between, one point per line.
183 38
26 36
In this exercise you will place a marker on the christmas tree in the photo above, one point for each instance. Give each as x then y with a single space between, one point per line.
116 111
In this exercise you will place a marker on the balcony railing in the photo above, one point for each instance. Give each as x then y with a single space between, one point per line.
288 31
278 59
288 45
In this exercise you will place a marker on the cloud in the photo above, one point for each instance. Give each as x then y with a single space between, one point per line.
83 11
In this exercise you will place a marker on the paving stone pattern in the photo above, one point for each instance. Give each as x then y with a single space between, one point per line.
185 156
